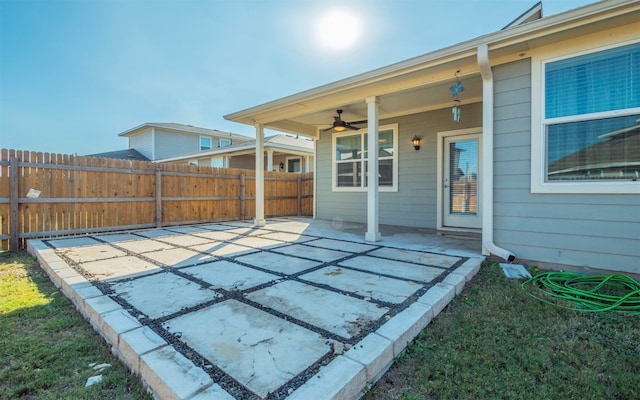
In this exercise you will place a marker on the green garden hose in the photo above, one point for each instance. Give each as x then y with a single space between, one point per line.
590 293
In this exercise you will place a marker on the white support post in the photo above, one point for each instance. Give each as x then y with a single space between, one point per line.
270 160
373 232
259 221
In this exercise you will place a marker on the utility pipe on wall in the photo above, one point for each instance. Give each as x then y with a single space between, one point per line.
488 246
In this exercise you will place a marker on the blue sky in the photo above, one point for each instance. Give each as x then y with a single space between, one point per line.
74 74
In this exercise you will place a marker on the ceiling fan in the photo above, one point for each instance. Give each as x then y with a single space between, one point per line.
339 125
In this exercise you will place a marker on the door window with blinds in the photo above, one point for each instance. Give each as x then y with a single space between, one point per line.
592 116
463 175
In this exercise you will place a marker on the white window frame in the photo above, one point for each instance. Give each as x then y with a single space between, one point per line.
226 141
539 122
286 164
362 132
210 143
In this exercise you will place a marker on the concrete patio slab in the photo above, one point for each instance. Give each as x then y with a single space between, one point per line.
341 245
92 253
388 290
250 345
142 245
314 253
163 294
339 314
288 237
178 257
278 262
415 272
223 249
298 309
118 268
229 276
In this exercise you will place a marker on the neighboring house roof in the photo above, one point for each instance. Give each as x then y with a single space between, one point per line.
422 83
532 14
128 154
283 143
186 129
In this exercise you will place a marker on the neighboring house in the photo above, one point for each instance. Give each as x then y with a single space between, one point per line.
544 160
283 153
162 140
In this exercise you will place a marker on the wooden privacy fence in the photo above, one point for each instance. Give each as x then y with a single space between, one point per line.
45 195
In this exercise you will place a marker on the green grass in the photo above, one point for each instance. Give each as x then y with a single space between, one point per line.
46 347
494 341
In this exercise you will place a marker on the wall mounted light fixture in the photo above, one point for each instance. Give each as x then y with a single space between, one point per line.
416 142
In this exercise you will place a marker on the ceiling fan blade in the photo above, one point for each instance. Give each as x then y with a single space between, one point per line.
349 126
364 121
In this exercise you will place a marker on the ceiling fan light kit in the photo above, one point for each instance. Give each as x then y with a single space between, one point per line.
340 126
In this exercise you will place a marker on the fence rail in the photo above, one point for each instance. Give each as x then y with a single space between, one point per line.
46 195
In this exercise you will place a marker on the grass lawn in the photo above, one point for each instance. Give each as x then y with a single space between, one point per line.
47 349
494 341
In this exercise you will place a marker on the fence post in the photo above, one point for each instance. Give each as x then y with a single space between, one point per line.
158 198
242 198
299 195
14 234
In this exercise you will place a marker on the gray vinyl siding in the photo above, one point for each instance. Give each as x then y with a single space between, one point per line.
170 144
143 143
593 230
414 204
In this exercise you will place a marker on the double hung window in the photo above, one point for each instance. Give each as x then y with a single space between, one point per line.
591 117
205 143
350 165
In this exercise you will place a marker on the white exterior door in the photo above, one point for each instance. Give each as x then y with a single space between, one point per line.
461 194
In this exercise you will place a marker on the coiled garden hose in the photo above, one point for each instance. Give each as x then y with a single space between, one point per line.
590 293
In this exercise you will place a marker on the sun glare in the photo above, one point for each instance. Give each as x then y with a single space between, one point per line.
338 30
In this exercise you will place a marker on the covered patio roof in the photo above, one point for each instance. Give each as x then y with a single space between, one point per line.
422 83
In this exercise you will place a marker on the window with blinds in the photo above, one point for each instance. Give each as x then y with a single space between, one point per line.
351 160
592 116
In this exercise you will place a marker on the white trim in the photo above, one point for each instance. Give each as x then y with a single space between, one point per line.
538 123
440 172
315 174
153 143
259 193
362 132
